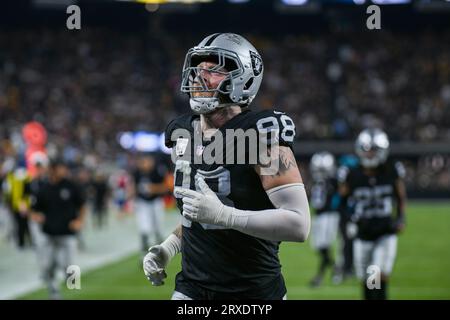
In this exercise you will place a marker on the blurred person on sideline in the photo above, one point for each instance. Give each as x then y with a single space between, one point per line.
149 187
121 186
17 199
60 207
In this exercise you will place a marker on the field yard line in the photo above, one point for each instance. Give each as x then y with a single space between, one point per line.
19 272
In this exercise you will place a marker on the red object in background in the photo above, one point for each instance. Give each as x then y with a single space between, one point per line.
34 134
35 137
169 200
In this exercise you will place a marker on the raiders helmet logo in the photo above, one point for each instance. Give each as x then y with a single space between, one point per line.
257 64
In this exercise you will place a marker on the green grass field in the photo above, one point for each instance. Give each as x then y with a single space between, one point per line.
422 269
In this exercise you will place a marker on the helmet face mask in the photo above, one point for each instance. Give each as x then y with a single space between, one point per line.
322 166
372 147
194 82
236 59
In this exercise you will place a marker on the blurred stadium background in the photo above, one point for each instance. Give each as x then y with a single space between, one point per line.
104 93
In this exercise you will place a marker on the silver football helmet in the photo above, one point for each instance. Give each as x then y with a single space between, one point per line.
236 58
372 147
322 166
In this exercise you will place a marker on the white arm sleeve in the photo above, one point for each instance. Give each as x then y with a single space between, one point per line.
290 221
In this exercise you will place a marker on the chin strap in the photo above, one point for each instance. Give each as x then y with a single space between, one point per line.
203 105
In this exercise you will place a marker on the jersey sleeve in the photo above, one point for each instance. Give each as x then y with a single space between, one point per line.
276 127
182 123
168 133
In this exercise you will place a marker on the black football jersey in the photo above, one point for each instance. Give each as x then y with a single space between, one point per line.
143 179
222 260
373 198
322 194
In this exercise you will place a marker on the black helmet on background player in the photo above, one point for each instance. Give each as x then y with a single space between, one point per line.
244 72
372 147
322 166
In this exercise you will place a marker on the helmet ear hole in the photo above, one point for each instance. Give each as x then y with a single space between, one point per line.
225 86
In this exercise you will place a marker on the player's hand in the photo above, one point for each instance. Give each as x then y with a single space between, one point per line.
204 206
154 263
37 217
399 226
351 230
76 225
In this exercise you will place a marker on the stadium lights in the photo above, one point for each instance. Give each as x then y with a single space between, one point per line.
172 1
238 1
143 141
151 7
294 2
126 140
297 6
381 2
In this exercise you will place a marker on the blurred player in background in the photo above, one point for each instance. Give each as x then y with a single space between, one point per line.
149 186
324 199
234 215
375 187
60 207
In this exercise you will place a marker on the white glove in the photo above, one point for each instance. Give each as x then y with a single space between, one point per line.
158 257
154 263
204 206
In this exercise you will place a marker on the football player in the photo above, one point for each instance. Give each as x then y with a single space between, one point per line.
234 216
324 200
375 187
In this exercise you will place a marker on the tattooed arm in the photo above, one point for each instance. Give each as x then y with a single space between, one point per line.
287 173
